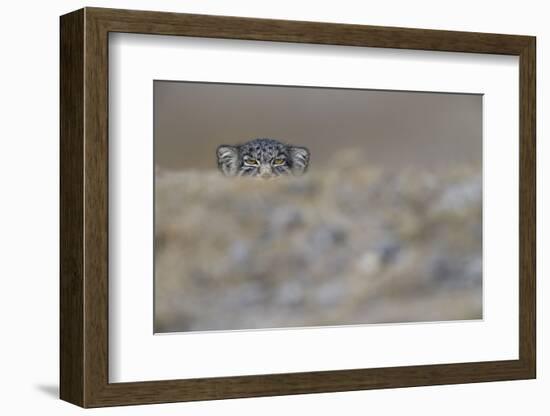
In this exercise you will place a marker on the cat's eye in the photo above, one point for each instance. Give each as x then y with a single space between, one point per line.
278 161
251 161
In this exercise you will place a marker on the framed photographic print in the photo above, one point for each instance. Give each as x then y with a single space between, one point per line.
255 207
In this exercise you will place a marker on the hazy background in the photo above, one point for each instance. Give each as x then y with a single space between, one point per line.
393 128
385 227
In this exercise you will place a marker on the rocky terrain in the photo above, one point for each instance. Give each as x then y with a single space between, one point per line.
349 245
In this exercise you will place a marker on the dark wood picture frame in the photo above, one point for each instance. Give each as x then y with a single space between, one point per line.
84 207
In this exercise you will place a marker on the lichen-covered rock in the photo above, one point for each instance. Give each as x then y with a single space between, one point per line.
350 245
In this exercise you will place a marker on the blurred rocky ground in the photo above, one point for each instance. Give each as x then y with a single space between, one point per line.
349 244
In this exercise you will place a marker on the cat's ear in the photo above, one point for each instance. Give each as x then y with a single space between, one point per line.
300 159
228 159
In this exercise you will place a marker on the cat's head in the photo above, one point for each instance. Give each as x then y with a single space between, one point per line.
262 158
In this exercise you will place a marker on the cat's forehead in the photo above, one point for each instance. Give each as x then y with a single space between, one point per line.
259 146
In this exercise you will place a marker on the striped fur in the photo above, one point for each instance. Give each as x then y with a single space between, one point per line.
263 158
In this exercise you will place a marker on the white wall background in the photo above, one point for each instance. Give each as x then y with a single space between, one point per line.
29 206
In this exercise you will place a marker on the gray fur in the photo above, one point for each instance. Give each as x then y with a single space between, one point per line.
263 158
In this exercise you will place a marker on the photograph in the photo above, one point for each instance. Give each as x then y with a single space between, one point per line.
303 206
280 205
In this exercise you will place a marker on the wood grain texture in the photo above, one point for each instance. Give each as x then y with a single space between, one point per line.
96 218
527 208
84 207
162 23
71 100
